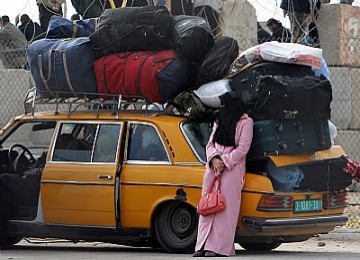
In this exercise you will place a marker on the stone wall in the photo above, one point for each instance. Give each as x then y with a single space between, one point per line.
238 20
339 30
14 85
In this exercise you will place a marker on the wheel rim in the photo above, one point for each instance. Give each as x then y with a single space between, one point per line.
181 224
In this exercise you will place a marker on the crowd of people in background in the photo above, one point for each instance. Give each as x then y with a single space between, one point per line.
302 15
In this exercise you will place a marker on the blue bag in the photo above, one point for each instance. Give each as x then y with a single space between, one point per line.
62 66
174 79
285 178
60 28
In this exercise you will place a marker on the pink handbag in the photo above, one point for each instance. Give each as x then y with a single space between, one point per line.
212 201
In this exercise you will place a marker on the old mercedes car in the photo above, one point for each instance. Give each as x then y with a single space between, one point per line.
129 175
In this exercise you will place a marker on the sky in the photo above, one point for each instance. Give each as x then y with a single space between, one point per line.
265 9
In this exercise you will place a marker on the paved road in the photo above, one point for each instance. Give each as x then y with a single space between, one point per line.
334 247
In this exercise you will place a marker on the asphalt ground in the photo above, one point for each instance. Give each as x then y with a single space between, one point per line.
342 244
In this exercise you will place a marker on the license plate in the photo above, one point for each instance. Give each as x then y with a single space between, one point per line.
301 206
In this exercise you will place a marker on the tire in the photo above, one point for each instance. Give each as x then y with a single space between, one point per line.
176 228
14 240
154 244
260 246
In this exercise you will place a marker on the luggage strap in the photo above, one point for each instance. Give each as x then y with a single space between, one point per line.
46 80
42 76
247 66
112 4
67 75
75 29
124 3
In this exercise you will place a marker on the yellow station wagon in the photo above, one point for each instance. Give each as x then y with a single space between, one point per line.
134 178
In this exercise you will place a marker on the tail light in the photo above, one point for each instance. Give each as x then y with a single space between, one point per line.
276 203
333 200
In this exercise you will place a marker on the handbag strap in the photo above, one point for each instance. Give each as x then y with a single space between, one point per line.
212 183
218 187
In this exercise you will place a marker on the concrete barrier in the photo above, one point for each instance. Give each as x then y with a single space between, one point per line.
339 31
238 20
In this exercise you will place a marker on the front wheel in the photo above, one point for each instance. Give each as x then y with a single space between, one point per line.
176 228
260 246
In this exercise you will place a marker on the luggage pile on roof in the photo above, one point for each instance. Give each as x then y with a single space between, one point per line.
132 51
145 52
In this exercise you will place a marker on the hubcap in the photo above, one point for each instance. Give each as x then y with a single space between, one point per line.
181 222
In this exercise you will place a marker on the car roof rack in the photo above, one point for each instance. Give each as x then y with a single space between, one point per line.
36 99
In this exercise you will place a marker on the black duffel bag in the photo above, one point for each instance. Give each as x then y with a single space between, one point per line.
132 29
326 175
192 37
217 62
247 82
293 98
182 7
94 8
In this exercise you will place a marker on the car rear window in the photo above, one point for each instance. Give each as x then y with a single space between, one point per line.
197 134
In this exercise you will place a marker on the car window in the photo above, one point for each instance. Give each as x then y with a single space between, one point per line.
75 145
36 136
197 135
144 144
107 143
87 143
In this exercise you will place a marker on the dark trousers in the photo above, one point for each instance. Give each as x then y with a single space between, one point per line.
45 14
210 15
314 34
7 207
15 191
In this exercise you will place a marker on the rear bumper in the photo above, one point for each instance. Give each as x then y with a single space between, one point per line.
294 223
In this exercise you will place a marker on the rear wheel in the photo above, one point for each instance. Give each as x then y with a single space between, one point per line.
260 246
176 228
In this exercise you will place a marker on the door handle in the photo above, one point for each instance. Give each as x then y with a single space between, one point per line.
105 177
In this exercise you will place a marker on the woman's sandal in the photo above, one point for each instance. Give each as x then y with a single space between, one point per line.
200 253
212 254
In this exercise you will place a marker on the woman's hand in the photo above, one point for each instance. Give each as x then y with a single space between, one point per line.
218 166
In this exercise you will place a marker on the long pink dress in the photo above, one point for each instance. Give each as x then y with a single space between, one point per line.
216 232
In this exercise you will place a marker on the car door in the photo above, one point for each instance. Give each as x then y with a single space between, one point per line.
146 167
79 180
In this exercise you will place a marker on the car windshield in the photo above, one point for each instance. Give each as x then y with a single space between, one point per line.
36 136
197 134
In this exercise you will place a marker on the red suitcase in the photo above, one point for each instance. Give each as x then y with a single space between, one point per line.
156 76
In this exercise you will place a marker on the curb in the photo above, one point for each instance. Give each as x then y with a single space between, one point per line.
342 234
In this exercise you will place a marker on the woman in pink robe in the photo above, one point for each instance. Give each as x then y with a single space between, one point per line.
216 232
